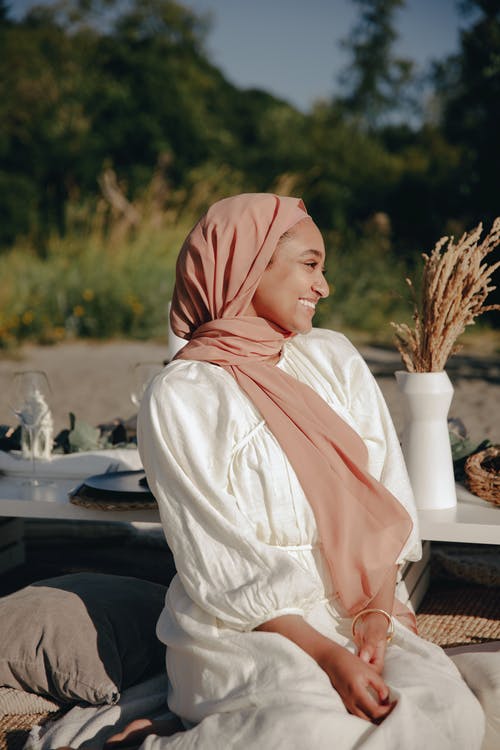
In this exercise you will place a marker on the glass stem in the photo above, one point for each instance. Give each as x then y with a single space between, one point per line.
32 435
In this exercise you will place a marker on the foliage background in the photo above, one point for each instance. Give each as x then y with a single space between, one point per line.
116 136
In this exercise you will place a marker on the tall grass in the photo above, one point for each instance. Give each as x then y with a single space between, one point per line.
89 287
112 274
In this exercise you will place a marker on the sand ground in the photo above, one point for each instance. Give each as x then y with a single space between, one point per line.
93 380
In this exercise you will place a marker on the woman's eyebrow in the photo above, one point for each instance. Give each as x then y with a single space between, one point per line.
312 250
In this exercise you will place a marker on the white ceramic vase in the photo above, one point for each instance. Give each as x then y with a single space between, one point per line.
425 441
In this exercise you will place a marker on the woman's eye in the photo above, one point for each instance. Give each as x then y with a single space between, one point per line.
314 265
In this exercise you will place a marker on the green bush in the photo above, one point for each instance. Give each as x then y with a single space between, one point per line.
101 283
367 282
87 287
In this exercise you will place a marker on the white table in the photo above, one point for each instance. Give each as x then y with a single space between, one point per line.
473 520
52 501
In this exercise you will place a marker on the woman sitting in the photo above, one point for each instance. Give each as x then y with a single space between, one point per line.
285 501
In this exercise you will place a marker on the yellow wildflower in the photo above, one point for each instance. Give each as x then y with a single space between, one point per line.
58 332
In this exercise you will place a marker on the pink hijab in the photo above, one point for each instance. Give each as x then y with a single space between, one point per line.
362 527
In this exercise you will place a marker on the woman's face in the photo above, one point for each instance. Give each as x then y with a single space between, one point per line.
294 280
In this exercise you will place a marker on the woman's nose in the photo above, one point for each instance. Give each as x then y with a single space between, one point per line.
321 287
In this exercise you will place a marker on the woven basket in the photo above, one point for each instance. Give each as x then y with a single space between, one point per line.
482 474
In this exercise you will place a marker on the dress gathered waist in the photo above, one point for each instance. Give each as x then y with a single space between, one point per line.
329 597
297 547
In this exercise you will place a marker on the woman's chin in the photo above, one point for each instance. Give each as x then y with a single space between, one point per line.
303 327
294 325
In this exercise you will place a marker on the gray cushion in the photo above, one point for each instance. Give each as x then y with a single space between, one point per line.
81 637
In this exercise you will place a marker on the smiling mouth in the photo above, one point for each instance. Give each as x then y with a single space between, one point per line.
307 303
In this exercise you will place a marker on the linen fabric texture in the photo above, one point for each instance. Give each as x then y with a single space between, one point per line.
479 665
81 637
218 270
247 549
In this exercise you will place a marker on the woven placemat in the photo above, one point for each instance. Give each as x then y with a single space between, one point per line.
462 614
118 490
100 504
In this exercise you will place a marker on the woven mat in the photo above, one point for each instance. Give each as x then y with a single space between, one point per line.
21 702
14 729
452 615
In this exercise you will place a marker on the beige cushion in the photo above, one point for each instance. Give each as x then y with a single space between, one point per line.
81 637
479 665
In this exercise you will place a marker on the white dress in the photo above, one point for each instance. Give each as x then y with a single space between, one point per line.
245 544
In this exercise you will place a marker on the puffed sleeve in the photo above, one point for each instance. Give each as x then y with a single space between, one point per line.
189 421
369 411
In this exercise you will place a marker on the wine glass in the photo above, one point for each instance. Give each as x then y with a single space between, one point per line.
142 375
30 396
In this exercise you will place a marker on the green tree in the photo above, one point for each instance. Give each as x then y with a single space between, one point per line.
41 119
421 200
84 84
4 13
349 171
468 85
376 81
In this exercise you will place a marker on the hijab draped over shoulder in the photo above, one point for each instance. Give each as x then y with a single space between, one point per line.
362 527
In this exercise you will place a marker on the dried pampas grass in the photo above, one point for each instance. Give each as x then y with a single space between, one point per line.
455 285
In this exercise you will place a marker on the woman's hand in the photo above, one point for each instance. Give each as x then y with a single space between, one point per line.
357 681
371 628
371 639
363 691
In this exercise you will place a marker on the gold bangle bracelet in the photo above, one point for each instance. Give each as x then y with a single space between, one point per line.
360 615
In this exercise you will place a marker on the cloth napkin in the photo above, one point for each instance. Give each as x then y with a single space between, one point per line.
72 465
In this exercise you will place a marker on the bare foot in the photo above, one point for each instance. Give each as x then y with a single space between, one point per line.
133 735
